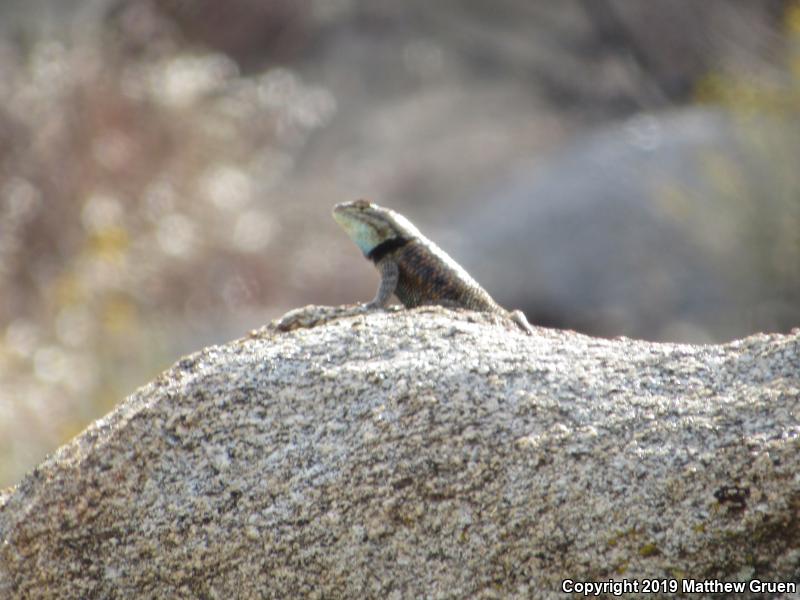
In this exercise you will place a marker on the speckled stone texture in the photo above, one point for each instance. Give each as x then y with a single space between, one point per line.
425 453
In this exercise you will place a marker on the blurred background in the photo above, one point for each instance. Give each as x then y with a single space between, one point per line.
168 167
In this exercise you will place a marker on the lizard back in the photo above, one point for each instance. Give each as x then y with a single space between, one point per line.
429 276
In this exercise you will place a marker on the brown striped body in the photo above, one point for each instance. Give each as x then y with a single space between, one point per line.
427 277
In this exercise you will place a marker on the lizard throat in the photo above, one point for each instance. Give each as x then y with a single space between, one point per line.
385 248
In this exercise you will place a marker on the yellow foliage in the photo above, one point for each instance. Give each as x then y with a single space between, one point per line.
109 244
792 20
119 315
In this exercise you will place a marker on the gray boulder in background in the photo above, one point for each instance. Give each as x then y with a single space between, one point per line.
680 227
422 453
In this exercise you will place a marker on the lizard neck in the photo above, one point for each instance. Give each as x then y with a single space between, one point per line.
383 249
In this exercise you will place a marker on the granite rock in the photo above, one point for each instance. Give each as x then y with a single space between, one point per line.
422 453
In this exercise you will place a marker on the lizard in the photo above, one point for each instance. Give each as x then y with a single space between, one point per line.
411 266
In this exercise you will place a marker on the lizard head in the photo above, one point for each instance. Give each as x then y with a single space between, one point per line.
370 225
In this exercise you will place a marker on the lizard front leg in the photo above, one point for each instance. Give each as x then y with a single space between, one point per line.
390 274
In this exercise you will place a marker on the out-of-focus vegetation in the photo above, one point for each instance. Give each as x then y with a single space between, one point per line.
762 202
138 197
167 168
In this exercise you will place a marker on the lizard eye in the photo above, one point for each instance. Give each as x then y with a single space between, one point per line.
361 203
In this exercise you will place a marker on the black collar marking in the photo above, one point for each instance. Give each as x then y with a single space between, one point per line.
384 248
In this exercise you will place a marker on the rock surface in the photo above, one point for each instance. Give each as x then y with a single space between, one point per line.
422 453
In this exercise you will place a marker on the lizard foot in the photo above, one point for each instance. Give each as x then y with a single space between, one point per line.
519 318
